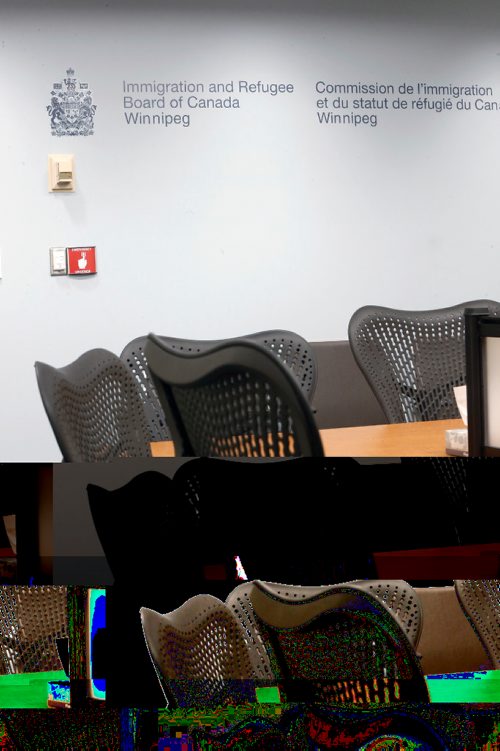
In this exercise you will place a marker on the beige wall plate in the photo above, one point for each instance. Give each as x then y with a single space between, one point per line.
61 173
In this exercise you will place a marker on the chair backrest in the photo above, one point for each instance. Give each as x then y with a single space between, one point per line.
295 353
337 643
480 601
395 594
200 654
413 359
234 398
31 621
135 357
95 409
290 348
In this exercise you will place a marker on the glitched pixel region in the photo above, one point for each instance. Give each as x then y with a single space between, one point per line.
182 717
178 742
318 728
86 729
395 743
255 733
345 657
350 646
5 742
207 692
60 691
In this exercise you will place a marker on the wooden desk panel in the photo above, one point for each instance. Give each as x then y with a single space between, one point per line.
405 439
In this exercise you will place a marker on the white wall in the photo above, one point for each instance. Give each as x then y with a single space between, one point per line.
250 218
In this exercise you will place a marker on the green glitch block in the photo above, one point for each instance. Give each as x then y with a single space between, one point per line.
268 695
480 687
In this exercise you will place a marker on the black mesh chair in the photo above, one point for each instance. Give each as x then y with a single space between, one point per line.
95 409
413 359
290 348
233 398
331 644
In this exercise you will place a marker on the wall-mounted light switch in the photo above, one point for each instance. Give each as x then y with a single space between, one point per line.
61 173
58 261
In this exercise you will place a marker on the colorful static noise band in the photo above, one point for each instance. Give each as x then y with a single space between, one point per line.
319 728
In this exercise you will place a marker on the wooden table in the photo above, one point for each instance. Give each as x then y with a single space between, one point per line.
405 439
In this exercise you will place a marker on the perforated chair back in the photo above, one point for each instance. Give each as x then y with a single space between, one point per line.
233 398
135 357
295 353
480 601
289 348
200 654
395 594
401 600
338 644
31 620
413 359
240 603
95 409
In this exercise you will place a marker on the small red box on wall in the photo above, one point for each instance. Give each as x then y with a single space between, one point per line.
81 260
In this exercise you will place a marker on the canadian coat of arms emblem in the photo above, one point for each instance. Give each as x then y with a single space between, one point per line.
71 110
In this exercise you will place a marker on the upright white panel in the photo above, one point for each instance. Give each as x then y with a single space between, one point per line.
491 386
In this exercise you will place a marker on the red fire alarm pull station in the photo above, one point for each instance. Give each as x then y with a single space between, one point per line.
81 260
